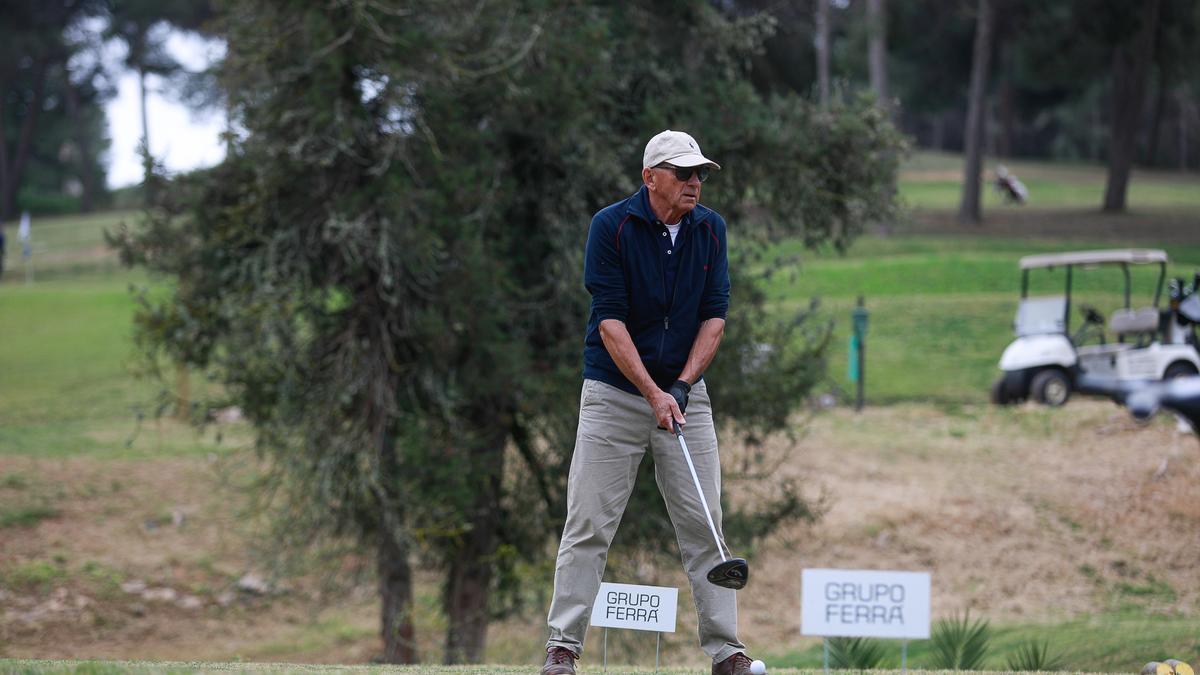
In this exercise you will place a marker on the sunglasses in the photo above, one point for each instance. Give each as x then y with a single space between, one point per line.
684 174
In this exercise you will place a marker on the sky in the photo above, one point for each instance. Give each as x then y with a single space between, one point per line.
180 138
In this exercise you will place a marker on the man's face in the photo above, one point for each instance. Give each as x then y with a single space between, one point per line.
678 195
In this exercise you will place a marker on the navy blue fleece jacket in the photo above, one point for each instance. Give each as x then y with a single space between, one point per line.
628 270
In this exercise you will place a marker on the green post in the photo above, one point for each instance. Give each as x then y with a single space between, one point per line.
858 351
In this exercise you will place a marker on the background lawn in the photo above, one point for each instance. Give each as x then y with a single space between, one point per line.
933 180
944 307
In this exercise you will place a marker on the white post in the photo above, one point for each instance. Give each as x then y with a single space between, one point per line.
26 237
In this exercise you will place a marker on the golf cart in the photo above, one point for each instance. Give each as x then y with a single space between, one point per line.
1046 359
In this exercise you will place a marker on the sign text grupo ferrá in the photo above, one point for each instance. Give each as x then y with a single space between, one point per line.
625 606
852 603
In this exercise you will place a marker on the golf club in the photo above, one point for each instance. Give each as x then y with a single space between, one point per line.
730 572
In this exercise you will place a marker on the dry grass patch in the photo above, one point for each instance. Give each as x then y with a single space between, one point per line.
1022 514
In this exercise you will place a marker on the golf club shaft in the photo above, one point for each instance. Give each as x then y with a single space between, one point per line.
700 491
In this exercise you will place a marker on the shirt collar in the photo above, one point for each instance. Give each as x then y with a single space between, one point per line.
639 206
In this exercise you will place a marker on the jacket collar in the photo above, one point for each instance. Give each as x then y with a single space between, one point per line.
638 205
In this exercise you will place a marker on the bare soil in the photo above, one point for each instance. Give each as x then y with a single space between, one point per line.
1019 514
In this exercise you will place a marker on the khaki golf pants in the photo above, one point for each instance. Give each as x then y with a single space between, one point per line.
615 429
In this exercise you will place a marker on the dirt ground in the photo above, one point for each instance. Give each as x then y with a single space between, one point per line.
1019 514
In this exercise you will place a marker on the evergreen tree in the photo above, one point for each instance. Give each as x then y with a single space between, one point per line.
34 52
385 271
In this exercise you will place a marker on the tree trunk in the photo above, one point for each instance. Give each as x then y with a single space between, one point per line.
1131 63
147 158
14 171
395 573
877 49
468 591
1156 117
4 150
396 595
1184 111
822 44
469 577
86 176
969 208
1006 108
145 118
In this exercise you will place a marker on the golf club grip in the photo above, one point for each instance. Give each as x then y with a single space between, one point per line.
687 456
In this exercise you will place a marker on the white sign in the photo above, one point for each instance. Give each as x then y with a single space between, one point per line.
864 603
637 607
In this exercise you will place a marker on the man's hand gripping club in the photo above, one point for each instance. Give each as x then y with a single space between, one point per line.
620 346
670 406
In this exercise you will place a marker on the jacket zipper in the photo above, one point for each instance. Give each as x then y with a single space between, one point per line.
667 317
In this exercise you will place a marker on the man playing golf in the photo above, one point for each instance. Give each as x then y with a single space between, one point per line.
657 270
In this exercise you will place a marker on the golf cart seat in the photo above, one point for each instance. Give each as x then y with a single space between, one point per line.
1134 321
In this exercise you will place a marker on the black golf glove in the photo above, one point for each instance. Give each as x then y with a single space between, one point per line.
680 391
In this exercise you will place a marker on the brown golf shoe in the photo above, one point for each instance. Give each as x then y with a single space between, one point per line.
738 664
561 661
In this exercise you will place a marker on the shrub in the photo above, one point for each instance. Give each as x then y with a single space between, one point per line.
855 653
957 643
1033 657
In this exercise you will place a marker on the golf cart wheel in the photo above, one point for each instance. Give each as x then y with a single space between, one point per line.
1179 369
999 393
1051 387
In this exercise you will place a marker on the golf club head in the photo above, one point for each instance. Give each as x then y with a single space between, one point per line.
733 573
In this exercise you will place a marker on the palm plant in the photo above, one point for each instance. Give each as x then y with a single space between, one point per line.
1033 657
855 653
957 643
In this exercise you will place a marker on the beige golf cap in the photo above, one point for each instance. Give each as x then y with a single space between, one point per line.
675 147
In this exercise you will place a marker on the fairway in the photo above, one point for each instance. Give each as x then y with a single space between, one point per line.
933 181
946 306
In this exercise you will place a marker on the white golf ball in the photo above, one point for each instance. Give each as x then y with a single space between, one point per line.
758 667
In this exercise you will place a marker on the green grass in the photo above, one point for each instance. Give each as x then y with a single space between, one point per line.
942 306
74 344
69 371
34 574
1105 642
33 667
932 180
69 381
1044 193
26 516
14 481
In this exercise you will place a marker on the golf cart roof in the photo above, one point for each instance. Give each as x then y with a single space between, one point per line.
1121 255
